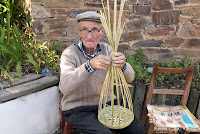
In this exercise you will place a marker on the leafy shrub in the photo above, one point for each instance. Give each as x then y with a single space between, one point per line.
177 79
45 54
143 75
11 48
16 12
140 66
18 49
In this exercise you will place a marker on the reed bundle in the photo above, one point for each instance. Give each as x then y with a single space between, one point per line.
119 114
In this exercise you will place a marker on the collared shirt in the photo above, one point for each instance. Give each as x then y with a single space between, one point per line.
88 67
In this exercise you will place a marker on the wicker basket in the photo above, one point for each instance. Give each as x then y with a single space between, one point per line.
117 120
119 113
115 88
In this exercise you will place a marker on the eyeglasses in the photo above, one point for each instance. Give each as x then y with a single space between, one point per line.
93 31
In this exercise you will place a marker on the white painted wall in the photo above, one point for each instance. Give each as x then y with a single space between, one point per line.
37 113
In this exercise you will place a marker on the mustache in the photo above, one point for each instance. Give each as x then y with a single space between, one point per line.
90 41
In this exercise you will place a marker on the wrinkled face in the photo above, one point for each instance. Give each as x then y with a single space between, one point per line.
91 39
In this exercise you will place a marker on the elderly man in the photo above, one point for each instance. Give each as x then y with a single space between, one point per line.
83 69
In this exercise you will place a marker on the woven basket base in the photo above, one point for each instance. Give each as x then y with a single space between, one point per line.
121 118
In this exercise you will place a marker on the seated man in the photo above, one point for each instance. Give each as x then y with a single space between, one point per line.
83 69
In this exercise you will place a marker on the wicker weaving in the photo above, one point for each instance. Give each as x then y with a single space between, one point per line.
120 114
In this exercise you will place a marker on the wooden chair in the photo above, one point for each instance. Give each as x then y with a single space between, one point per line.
184 93
66 128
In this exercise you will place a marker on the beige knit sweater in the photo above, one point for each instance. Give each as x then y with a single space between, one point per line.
80 88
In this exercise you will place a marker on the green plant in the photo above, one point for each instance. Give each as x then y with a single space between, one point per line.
169 79
142 75
16 12
4 72
196 76
46 54
140 66
14 50
18 49
176 79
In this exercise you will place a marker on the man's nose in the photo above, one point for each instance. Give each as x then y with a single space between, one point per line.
89 35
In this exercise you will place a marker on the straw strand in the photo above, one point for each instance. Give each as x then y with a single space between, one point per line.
114 115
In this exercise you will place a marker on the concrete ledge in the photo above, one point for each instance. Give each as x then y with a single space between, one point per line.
34 84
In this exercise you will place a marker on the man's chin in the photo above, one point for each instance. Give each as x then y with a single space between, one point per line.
90 44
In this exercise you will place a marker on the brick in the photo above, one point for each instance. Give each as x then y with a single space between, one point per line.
67 41
39 26
58 25
36 0
126 7
137 24
166 17
57 11
183 52
174 42
104 39
184 19
63 3
138 1
189 30
160 31
56 20
130 15
192 44
157 54
142 9
123 47
194 1
196 21
39 11
56 32
191 10
161 4
72 28
93 4
135 35
97 1
179 2
148 43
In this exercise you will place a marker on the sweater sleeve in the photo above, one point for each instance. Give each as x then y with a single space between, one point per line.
129 73
72 77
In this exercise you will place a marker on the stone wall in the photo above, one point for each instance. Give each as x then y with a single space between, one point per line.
165 29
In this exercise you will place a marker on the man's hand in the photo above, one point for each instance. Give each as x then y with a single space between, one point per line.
100 62
119 60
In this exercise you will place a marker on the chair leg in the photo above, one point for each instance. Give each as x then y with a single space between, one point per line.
67 128
62 123
150 129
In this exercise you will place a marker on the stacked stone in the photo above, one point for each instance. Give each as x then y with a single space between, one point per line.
165 29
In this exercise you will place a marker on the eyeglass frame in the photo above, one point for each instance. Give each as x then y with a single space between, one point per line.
90 31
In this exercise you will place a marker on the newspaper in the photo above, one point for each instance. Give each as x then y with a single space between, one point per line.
172 116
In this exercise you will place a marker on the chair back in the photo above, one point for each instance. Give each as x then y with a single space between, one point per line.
184 93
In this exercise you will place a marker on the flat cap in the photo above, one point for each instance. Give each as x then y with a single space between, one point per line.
89 15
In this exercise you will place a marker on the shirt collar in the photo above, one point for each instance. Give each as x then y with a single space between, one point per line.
79 45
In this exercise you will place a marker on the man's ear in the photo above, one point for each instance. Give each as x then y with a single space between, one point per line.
102 31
